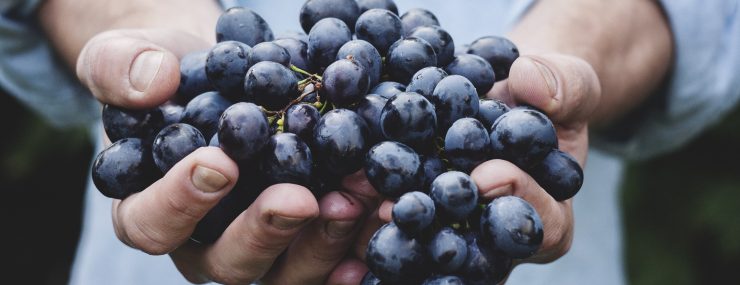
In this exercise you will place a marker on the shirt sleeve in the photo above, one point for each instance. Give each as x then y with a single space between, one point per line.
32 73
703 86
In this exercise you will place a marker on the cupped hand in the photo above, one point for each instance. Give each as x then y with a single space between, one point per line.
285 236
567 89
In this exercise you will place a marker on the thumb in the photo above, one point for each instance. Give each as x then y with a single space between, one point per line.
135 68
566 88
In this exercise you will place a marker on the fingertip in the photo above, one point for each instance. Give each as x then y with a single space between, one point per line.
348 272
340 206
358 185
385 211
533 81
123 68
495 178
289 203
215 158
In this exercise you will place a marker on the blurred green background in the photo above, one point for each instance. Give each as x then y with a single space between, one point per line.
681 211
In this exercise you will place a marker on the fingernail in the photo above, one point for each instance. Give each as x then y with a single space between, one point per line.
286 223
144 69
500 191
339 229
208 180
545 73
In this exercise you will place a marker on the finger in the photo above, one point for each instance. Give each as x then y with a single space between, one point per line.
349 272
357 185
135 68
385 212
254 240
566 88
163 216
496 178
322 245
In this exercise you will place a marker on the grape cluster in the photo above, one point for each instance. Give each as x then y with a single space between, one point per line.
362 89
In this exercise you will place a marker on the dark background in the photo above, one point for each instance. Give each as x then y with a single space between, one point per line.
681 211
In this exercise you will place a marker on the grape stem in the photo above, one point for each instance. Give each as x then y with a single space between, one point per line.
306 73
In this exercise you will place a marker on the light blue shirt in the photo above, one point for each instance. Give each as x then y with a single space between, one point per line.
704 86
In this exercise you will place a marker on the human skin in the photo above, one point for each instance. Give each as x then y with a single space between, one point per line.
583 62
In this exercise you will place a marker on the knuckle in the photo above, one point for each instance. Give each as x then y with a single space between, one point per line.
148 239
183 211
229 275
263 245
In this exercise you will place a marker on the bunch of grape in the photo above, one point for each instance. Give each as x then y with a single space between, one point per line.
364 88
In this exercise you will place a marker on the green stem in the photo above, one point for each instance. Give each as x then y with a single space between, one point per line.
323 108
306 73
304 81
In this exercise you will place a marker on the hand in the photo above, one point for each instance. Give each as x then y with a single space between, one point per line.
568 90
284 237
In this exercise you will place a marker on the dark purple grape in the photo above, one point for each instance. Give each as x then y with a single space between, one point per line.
559 174
366 55
370 279
440 40
432 167
314 11
270 85
467 144
301 119
120 123
340 142
498 51
443 280
413 212
396 258
407 56
296 35
215 222
370 109
410 119
416 18
345 82
172 113
226 66
324 41
298 51
489 110
447 250
455 195
424 80
377 4
124 168
193 78
523 137
243 131
379 27
474 68
454 98
482 267
388 89
175 142
243 25
204 111
511 225
268 51
287 159
392 168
